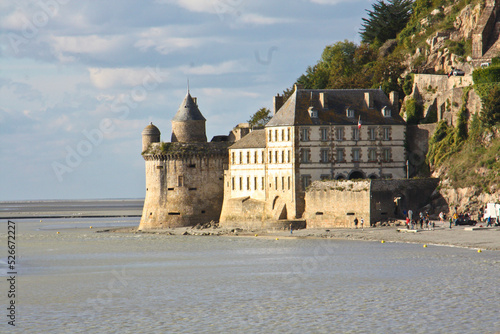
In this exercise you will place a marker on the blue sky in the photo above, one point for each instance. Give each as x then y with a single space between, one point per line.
79 80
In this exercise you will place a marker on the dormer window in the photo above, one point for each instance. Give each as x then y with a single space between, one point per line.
386 111
349 112
312 112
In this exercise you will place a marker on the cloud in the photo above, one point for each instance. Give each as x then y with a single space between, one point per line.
105 78
202 6
263 20
92 44
222 68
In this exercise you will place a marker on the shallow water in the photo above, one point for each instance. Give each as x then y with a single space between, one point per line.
79 281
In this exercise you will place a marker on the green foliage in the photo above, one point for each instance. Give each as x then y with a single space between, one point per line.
490 112
408 84
486 75
386 20
260 118
414 111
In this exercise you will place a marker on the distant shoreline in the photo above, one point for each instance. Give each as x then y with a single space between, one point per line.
458 236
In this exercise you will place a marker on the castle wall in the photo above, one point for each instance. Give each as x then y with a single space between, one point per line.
189 131
335 204
183 190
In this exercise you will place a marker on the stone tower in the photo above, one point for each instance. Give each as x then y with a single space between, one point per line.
184 178
150 135
188 124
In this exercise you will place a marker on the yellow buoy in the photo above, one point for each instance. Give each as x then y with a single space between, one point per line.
425 246
57 232
90 226
383 241
277 239
256 235
479 251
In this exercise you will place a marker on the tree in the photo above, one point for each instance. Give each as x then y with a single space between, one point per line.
260 118
386 20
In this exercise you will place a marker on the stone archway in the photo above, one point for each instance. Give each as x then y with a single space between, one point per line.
373 177
356 175
340 177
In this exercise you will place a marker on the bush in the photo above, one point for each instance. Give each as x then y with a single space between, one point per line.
414 111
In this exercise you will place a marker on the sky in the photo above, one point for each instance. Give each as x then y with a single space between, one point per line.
79 80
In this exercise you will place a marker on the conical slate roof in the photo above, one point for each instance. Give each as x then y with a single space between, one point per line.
188 111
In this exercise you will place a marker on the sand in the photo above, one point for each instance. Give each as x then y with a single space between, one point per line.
457 236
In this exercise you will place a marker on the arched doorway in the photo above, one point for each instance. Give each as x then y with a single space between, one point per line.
340 177
373 177
356 175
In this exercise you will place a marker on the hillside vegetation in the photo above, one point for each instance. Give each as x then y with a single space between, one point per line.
466 154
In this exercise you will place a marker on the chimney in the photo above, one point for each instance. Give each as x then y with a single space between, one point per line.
368 100
323 100
277 103
394 98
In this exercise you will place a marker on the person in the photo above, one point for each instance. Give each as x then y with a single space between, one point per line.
291 229
407 223
362 222
410 214
489 222
441 217
356 222
421 220
455 218
451 221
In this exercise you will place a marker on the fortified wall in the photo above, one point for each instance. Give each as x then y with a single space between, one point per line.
335 204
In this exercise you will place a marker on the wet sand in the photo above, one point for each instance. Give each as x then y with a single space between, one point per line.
457 236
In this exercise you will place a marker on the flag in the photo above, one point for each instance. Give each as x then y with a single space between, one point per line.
359 122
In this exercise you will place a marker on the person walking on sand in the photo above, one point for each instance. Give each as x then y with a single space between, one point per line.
291 229
489 222
451 221
407 223
356 222
362 223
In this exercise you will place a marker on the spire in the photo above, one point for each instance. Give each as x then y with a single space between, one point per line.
188 110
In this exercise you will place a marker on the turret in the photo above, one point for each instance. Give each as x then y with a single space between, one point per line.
188 124
150 134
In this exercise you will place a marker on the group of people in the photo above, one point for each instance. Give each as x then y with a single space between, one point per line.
356 223
422 220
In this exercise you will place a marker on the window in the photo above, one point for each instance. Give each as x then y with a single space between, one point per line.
255 183
324 134
282 183
269 135
349 112
355 154
355 133
305 154
325 177
283 156
340 155
289 156
180 181
386 111
276 157
324 155
387 133
276 135
262 184
306 181
241 184
282 134
372 154
270 156
232 182
289 183
275 183
248 157
386 154
254 157
248 182
304 134
262 157
340 134
288 134
372 133
241 157
232 158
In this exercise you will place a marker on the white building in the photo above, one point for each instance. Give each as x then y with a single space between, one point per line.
314 135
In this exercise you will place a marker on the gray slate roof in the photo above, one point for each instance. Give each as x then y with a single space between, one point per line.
188 111
295 110
255 139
